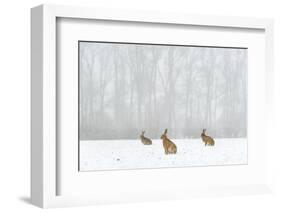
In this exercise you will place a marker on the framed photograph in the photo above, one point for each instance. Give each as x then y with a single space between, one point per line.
149 106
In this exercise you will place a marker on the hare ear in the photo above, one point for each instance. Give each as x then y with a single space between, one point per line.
165 132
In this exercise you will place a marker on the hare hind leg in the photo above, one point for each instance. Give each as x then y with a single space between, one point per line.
172 150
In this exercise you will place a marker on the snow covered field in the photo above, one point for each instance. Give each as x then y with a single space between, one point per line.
132 154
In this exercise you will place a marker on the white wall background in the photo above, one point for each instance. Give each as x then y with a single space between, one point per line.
15 99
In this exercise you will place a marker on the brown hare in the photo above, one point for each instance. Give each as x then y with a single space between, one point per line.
145 140
169 146
207 139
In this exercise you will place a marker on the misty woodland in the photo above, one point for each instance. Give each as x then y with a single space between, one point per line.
128 88
152 93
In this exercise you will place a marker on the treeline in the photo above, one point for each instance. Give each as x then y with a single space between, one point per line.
126 88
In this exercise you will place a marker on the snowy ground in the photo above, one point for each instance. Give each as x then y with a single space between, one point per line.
132 154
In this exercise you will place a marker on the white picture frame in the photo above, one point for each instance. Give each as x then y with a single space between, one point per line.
45 168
